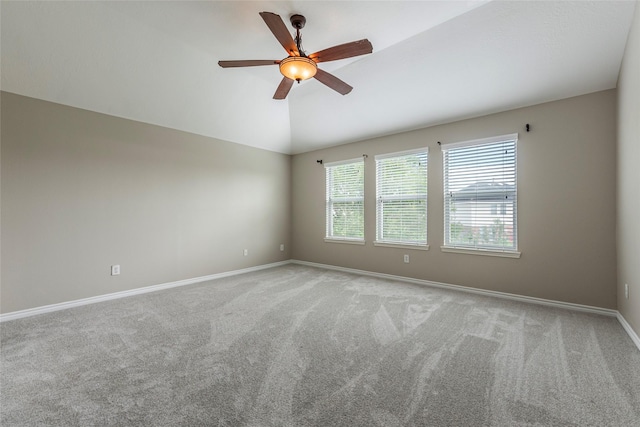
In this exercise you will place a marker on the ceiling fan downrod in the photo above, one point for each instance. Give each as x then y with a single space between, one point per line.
298 21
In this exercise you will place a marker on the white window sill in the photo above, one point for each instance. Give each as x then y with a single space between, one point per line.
402 245
347 241
486 252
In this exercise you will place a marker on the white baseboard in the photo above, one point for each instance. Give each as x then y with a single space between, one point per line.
504 295
627 327
521 298
540 301
100 298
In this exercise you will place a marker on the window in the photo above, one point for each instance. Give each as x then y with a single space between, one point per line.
401 198
345 201
480 203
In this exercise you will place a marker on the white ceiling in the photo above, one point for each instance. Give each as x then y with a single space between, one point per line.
433 62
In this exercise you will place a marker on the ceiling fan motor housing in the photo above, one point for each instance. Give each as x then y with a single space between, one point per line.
298 21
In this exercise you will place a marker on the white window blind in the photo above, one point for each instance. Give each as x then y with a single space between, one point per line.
401 197
345 200
480 189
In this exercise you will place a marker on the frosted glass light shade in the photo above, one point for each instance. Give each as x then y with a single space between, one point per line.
298 68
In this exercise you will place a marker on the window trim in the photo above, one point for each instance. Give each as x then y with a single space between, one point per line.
480 251
488 251
387 244
348 240
400 243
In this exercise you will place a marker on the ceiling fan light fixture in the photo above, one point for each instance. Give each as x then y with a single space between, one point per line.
298 68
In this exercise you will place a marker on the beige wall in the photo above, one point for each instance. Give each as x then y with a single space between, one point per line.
629 177
82 191
566 202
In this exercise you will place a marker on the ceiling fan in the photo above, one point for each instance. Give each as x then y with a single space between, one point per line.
298 65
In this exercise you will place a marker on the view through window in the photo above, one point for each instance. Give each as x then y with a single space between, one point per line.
401 197
345 200
480 188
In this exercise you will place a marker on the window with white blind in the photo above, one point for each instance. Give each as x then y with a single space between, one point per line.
480 196
345 201
401 198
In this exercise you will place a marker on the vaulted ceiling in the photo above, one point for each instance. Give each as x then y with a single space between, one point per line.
432 62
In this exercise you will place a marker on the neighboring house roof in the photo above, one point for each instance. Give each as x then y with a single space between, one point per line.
487 191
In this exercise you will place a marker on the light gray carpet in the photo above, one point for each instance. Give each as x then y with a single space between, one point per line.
298 346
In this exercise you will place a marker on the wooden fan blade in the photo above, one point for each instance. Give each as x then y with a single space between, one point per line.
332 81
247 63
279 30
283 88
347 50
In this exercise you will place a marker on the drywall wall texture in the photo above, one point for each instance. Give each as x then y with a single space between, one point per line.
629 177
566 205
82 191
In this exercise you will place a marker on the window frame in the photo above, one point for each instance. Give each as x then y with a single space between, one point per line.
479 249
329 202
380 199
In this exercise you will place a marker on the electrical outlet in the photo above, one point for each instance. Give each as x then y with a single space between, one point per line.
115 270
626 291
245 252
281 247
406 259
